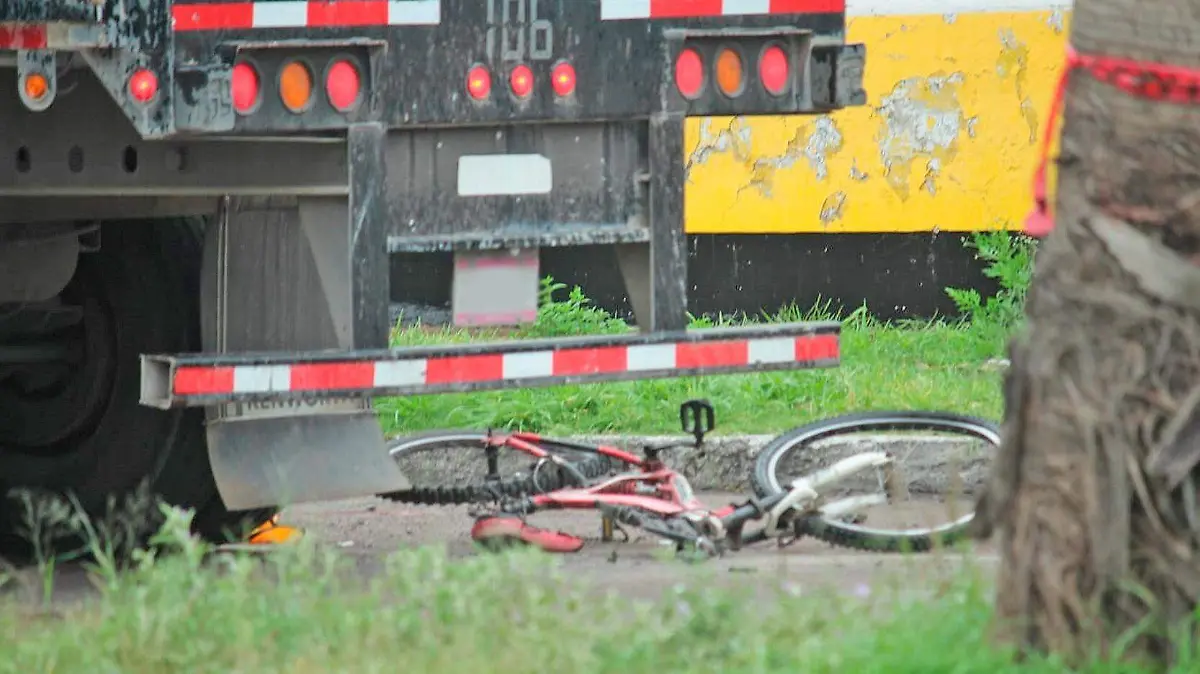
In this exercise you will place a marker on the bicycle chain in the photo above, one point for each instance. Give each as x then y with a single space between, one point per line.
512 488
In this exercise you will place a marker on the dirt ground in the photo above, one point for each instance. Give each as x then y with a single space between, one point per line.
369 529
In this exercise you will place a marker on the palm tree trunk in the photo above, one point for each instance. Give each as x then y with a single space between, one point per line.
1098 517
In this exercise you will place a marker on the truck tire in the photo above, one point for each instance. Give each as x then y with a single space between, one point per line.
85 433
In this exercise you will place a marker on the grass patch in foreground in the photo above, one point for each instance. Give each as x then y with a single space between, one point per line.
515 613
931 365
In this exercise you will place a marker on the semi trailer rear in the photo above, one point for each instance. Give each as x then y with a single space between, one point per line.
198 201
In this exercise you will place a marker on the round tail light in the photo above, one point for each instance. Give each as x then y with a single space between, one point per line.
773 70
143 86
521 81
730 74
562 78
246 88
296 86
689 73
343 86
479 82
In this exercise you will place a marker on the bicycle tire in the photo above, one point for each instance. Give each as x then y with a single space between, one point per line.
591 467
765 480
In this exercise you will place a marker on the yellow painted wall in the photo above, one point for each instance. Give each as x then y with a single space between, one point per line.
948 140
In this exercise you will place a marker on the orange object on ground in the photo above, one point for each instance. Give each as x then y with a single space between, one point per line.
272 532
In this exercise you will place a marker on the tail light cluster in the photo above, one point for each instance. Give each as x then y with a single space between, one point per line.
296 85
521 81
728 71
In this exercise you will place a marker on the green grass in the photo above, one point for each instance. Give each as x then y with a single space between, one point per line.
925 365
508 614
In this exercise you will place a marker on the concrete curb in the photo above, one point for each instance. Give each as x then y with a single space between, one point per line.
724 462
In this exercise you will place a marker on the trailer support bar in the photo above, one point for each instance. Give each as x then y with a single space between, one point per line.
170 381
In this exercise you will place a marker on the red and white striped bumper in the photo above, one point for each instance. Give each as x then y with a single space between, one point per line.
185 380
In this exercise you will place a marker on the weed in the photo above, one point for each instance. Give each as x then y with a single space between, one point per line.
1008 259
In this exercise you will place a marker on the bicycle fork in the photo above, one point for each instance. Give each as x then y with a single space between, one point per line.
802 494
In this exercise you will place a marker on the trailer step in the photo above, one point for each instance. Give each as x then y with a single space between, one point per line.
187 380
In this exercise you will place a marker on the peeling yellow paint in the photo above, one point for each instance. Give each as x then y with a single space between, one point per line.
920 122
948 140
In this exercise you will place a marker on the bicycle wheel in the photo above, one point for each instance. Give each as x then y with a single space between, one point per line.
462 455
919 444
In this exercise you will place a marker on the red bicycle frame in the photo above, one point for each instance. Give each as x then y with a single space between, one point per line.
654 488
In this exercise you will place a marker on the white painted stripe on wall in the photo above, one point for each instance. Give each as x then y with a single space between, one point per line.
528 364
943 7
414 12
260 378
280 14
401 372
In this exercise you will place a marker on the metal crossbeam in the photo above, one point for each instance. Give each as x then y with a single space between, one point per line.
193 380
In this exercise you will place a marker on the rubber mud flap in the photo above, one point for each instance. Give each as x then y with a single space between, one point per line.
289 460
498 532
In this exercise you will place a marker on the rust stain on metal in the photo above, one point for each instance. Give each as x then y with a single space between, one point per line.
1014 63
920 119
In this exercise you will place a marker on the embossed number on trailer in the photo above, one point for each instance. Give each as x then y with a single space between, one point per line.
517 32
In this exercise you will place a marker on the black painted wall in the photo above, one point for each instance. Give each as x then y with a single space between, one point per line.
897 275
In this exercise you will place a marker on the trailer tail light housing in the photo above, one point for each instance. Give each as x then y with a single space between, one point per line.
143 86
343 85
521 81
689 74
730 75
296 86
479 82
246 88
773 70
562 79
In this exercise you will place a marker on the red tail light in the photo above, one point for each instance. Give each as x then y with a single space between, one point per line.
246 88
773 70
343 86
143 85
689 73
479 83
521 81
562 78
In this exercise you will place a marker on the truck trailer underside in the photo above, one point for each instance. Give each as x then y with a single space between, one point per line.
194 262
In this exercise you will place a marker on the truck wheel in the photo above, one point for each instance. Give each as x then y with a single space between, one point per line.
71 420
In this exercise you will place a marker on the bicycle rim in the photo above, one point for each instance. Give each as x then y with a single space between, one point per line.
767 481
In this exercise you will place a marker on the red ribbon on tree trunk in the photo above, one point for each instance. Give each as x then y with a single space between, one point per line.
1156 81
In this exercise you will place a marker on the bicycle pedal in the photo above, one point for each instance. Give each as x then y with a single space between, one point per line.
503 531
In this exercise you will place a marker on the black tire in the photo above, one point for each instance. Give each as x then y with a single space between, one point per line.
548 478
145 278
766 481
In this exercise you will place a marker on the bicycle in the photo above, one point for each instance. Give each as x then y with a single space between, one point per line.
652 497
